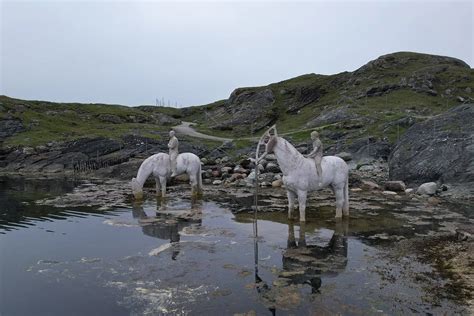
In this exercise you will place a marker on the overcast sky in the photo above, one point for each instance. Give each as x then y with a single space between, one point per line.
197 52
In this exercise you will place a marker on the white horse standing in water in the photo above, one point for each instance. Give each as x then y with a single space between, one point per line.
300 176
159 165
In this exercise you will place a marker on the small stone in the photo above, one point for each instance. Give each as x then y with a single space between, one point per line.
369 185
397 186
433 200
355 189
182 177
409 191
389 193
277 183
217 182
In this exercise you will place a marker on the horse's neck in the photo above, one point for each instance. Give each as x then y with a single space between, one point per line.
144 171
287 155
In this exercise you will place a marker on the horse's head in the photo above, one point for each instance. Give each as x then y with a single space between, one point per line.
269 140
136 189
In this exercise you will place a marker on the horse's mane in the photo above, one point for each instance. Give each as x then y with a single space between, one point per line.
145 170
287 145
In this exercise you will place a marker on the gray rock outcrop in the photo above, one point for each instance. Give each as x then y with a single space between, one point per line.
439 149
245 107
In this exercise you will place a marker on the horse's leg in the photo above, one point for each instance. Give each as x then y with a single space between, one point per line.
193 182
302 204
163 186
345 206
158 186
291 203
339 192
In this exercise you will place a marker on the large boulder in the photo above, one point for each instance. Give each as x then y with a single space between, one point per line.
245 107
439 149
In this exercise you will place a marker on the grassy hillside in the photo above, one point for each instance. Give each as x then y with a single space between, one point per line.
44 122
379 100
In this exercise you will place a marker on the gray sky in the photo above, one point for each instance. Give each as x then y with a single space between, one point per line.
197 52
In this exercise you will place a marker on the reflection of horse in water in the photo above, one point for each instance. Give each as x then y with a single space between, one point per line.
166 226
305 264
313 261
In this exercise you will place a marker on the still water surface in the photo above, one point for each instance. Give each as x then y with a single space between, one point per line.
184 257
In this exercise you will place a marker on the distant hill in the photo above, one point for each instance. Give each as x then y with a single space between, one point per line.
378 101
363 111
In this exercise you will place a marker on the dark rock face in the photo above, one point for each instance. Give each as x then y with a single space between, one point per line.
10 127
370 147
440 148
340 114
246 107
302 96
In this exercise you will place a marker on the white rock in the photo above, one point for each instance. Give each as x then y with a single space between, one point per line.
428 188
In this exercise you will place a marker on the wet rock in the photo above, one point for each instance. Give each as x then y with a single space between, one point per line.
397 186
428 188
389 193
409 191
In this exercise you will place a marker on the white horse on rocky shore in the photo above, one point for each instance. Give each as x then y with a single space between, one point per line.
159 165
300 176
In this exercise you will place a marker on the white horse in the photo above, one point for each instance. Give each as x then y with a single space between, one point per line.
300 176
159 165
